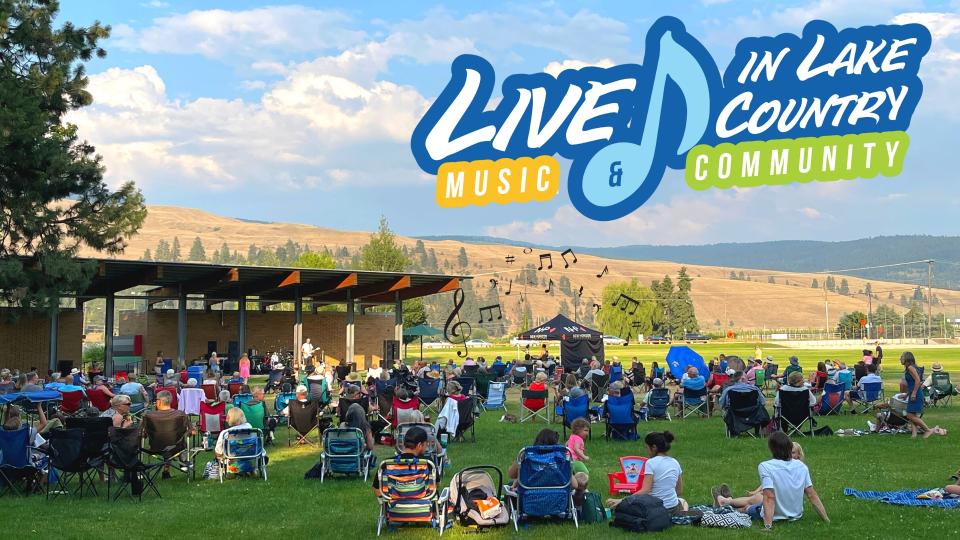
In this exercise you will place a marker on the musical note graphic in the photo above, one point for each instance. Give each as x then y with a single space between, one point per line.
604 271
489 311
509 288
521 297
509 259
527 250
493 283
451 330
549 258
596 308
549 286
564 257
627 303
580 292
637 324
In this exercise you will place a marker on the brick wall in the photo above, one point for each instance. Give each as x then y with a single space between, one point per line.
265 332
25 343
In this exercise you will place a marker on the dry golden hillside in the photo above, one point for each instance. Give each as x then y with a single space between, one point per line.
790 302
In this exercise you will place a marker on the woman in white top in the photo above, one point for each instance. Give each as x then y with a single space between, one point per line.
662 475
235 420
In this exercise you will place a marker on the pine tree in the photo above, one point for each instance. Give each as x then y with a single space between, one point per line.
814 284
462 257
197 253
252 252
733 275
831 284
844 287
771 280
162 253
175 254
146 255
382 253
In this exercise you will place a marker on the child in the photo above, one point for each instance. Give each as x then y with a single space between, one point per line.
722 496
579 429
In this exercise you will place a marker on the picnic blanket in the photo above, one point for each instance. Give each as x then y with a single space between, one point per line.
906 497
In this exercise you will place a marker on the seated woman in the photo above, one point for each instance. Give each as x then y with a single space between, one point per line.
100 384
355 417
578 481
13 421
662 475
455 391
235 421
819 377
538 384
638 373
210 377
795 384
119 411
722 495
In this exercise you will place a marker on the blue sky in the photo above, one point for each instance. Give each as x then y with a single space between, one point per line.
303 113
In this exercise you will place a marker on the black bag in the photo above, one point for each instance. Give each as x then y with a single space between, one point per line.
641 513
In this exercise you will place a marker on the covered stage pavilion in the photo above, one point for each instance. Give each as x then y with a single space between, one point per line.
209 285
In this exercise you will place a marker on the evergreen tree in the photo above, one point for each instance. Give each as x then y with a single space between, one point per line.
162 253
564 285
685 318
146 255
197 253
733 275
252 252
815 284
53 199
844 287
770 279
831 284
742 276
462 258
175 254
382 253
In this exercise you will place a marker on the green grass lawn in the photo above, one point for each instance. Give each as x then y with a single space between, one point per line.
290 507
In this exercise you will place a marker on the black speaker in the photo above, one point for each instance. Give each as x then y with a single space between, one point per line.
64 366
391 352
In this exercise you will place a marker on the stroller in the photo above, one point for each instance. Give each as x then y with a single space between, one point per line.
477 500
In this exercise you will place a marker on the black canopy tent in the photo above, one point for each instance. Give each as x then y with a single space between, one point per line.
576 341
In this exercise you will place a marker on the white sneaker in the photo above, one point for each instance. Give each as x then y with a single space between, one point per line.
871 425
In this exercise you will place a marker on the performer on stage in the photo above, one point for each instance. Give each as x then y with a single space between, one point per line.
306 352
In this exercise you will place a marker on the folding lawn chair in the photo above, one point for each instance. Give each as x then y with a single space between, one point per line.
496 397
620 417
429 392
573 408
527 413
67 456
98 399
213 420
598 387
412 404
280 402
124 455
543 487
209 391
234 388
867 395
168 442
304 418
72 402
468 384
174 395
831 402
243 453
241 399
616 374
692 402
343 405
941 389
794 415
190 400
466 409
408 494
498 371
438 457
18 473
769 375
659 404
482 381
744 414
344 453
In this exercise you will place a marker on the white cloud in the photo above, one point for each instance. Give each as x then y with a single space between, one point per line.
555 68
308 130
253 85
218 33
940 70
809 212
156 4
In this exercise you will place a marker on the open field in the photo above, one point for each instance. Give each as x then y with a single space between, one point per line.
290 507
788 302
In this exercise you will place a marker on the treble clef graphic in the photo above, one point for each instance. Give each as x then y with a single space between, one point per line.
452 330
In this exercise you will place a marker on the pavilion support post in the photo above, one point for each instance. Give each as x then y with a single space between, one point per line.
348 355
54 334
241 325
398 325
108 336
182 328
298 326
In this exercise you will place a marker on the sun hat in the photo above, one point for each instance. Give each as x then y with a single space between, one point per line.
730 371
191 382
74 371
433 374
353 376
657 381
301 389
170 371
936 366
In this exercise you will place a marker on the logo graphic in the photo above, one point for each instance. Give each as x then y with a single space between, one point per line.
825 105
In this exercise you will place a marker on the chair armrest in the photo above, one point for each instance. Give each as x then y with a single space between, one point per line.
444 495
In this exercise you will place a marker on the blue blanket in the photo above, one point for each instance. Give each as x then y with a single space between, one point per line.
906 497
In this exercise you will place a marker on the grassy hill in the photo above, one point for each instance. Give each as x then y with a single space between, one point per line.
766 298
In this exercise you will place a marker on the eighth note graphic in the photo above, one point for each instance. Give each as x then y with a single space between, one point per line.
604 271
564 257
549 258
489 311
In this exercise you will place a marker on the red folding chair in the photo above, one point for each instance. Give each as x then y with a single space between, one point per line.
98 399
174 402
213 418
398 404
210 390
234 388
71 402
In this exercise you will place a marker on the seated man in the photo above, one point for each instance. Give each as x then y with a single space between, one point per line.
870 377
596 370
32 384
138 394
737 384
692 380
166 430
784 482
414 446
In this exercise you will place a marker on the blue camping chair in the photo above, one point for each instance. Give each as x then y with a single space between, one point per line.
17 473
273 380
343 453
242 399
430 393
832 400
280 403
657 373
469 384
659 405
571 409
694 402
498 370
616 374
544 488
243 453
620 418
869 394
496 397
845 377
